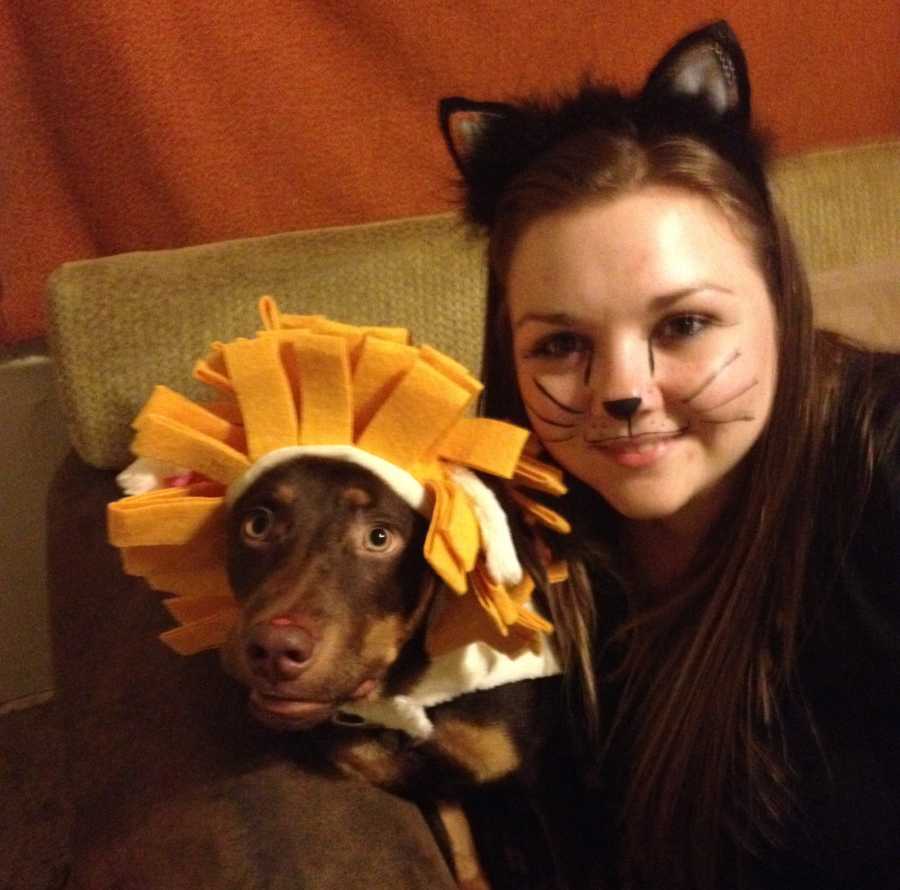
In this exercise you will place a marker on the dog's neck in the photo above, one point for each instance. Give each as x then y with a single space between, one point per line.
417 681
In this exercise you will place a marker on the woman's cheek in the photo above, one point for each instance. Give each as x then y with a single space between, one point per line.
557 394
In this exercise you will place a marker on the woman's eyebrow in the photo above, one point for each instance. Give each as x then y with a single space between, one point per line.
663 301
561 319
659 303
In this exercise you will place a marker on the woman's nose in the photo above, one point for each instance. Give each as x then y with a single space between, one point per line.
619 377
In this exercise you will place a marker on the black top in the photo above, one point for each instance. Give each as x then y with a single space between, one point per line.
849 674
846 833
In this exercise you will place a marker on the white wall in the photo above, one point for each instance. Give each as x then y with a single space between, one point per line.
32 444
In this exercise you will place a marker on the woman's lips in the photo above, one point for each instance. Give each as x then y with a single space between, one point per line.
636 452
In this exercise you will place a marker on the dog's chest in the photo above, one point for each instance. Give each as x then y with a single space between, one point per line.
479 738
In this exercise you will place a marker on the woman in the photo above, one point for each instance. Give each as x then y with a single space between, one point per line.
734 482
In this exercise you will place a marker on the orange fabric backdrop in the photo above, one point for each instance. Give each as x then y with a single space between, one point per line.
133 124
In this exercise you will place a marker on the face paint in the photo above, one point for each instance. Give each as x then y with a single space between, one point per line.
722 388
644 342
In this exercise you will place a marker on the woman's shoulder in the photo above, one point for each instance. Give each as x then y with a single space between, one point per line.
858 542
863 425
862 380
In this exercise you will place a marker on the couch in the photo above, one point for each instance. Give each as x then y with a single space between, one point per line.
169 784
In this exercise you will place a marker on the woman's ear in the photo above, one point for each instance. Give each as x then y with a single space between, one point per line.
708 65
463 123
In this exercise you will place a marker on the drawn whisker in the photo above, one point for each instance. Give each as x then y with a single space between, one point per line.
587 369
539 416
553 399
730 360
741 417
732 398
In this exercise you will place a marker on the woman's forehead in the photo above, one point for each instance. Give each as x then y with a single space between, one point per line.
650 245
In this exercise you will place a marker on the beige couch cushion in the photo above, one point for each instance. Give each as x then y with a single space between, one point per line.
844 210
843 204
122 324
862 301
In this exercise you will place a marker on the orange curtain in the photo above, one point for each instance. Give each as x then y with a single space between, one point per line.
142 124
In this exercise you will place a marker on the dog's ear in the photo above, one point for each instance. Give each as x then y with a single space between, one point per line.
463 123
707 65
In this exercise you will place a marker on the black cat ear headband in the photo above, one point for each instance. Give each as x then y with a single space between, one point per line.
699 87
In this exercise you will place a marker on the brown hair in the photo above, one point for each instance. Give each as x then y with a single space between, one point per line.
706 672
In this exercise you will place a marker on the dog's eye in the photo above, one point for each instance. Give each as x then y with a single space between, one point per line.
379 539
256 524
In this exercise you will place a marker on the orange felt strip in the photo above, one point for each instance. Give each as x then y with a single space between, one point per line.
409 423
461 621
228 410
529 620
144 520
451 369
183 446
506 609
542 513
264 393
485 444
187 609
558 572
287 321
208 633
535 474
288 355
212 371
354 333
482 592
380 366
269 313
437 554
173 405
459 528
521 593
206 548
209 581
326 412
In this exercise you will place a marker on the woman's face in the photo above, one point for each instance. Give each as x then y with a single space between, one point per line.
644 343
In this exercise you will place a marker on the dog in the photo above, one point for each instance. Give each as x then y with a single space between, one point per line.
323 524
326 562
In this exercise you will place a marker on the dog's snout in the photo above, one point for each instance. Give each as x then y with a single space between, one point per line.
279 651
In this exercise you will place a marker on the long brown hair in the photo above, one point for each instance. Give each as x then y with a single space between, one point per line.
706 673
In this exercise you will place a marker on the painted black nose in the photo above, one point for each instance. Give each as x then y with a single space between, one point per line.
622 409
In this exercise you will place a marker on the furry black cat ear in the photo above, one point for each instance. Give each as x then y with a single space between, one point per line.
463 124
709 65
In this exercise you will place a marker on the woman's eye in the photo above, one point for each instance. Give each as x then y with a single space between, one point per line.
256 525
378 539
682 327
560 345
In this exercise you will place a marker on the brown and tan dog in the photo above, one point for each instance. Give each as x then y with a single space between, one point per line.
327 564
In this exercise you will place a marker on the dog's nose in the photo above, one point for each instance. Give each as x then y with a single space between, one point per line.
279 652
622 409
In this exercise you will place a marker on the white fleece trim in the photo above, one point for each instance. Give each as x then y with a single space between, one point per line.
147 474
476 666
404 484
496 538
